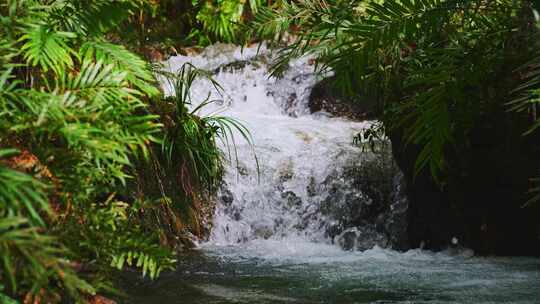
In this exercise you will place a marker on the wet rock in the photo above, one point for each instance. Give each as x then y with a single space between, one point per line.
367 199
347 239
263 231
286 171
311 187
326 97
301 78
218 49
361 238
485 187
369 238
233 66
226 196
242 169
396 219
278 222
291 199
333 230
484 190
290 104
237 215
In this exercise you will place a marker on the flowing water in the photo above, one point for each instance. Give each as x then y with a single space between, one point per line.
273 240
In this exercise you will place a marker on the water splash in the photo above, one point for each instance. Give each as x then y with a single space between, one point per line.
270 242
301 155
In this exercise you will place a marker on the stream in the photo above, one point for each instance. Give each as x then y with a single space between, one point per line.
281 225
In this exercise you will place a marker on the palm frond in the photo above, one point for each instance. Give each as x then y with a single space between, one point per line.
36 258
402 49
90 18
137 70
20 193
46 48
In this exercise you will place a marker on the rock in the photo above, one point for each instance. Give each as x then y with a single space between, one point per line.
361 238
237 215
262 231
291 101
347 239
226 196
485 188
396 219
334 230
218 49
311 187
286 171
369 238
369 200
291 199
242 169
237 66
325 97
189 51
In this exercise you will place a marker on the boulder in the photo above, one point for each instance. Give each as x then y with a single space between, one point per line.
327 98
376 215
485 188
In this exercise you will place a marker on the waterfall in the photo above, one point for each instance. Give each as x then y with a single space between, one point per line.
279 234
304 159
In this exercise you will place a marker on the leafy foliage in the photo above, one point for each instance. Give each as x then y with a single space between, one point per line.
29 257
79 109
187 156
113 234
34 259
76 109
221 19
21 191
160 28
427 57
47 49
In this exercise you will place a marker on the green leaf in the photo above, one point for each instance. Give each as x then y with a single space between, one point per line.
47 48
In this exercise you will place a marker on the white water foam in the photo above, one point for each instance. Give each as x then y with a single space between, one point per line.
268 244
277 210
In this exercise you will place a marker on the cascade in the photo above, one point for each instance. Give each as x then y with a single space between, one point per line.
303 187
279 231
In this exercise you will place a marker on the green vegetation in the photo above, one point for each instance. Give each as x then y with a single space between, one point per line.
438 67
456 84
98 169
221 19
158 28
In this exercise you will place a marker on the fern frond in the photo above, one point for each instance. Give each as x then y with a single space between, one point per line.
90 18
137 70
29 256
47 49
20 193
431 130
